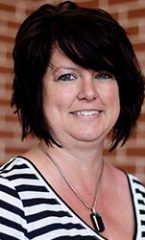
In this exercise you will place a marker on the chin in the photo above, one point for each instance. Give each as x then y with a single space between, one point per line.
88 139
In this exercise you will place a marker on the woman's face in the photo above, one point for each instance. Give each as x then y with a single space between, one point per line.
79 104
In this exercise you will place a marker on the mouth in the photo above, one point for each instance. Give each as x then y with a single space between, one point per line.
87 113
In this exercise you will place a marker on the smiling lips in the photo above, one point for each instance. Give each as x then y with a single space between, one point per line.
87 113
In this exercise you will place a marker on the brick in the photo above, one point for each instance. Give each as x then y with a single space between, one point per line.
8 86
134 30
135 151
4 38
140 46
133 134
4 102
128 168
90 4
115 15
7 7
15 150
11 118
4 134
6 69
142 117
137 13
13 24
120 1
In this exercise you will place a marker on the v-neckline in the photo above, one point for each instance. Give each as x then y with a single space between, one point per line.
68 208
61 200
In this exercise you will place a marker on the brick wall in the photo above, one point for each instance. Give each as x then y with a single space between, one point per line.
131 14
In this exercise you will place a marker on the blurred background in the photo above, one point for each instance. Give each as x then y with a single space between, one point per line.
130 14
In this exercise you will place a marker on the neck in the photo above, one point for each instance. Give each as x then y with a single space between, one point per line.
83 166
82 157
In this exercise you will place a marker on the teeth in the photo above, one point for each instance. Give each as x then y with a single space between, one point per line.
87 113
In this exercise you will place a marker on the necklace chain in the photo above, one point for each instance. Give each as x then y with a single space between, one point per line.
90 208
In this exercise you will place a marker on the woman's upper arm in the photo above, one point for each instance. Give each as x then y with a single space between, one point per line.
12 218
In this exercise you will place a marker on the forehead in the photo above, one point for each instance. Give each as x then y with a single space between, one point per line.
57 53
59 59
78 56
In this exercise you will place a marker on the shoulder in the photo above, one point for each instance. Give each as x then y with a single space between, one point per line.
13 163
137 190
19 176
136 185
17 171
9 173
11 205
16 167
13 174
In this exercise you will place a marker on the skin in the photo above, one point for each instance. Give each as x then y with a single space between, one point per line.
76 99
81 107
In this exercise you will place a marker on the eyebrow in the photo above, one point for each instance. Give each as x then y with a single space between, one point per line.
55 69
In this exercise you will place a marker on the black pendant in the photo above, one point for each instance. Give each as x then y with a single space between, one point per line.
97 221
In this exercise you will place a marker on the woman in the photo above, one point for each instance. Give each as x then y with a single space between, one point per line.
76 82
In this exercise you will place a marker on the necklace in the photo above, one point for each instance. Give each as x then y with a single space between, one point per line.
94 215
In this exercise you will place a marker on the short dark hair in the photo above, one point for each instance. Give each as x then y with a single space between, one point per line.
89 37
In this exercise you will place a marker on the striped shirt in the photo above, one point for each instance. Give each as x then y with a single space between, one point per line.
31 209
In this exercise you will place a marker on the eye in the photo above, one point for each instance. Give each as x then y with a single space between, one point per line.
67 77
103 75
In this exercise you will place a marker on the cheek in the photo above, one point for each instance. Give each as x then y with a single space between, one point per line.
113 97
114 100
57 99
110 93
115 93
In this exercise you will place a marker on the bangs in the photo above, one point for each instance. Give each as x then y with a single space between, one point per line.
86 46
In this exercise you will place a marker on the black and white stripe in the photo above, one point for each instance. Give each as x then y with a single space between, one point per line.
30 208
138 195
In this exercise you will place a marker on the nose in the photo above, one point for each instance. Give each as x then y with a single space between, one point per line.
87 90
